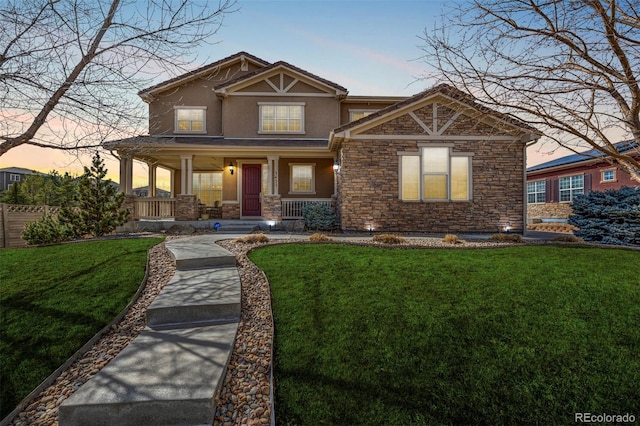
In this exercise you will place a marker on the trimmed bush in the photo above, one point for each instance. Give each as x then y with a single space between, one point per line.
253 239
319 216
608 217
388 239
320 237
506 238
46 230
451 239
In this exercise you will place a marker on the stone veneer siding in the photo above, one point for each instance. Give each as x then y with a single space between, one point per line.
272 207
187 207
548 211
369 194
231 211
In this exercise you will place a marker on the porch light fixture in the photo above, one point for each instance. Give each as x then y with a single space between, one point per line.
231 168
336 167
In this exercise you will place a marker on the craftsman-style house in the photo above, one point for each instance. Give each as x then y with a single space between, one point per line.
244 138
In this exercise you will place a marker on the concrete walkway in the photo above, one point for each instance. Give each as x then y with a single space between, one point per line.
171 372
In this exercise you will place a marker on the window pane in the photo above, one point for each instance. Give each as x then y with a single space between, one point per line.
301 178
459 178
410 177
208 187
434 187
190 119
435 160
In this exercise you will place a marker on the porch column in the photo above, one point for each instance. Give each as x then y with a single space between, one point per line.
153 170
272 162
172 183
186 187
126 175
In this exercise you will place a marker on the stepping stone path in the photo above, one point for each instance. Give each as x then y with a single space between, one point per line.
172 372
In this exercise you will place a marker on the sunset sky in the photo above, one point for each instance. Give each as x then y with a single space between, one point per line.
369 47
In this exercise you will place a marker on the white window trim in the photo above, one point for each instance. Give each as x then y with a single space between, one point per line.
421 180
313 178
275 132
571 188
359 110
14 177
615 175
176 108
543 193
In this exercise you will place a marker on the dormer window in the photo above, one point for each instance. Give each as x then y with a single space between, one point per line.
190 119
281 117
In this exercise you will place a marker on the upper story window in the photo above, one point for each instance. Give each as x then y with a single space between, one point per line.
536 192
357 114
14 178
190 119
608 176
436 175
570 186
281 117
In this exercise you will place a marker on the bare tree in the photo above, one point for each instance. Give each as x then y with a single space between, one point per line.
69 69
569 67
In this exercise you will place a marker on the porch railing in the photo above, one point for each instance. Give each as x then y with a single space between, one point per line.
292 207
154 208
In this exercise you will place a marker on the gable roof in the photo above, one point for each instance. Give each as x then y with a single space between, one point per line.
284 65
591 154
20 170
202 70
448 91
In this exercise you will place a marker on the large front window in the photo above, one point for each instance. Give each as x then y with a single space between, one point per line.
435 175
570 186
536 192
190 120
281 118
208 187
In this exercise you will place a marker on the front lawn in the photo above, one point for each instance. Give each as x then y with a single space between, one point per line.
54 299
520 335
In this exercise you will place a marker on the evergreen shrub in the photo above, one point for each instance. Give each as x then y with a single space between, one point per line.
319 216
608 217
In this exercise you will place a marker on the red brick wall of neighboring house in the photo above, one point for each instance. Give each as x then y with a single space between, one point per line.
553 208
369 185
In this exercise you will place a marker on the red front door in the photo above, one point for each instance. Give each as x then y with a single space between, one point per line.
251 189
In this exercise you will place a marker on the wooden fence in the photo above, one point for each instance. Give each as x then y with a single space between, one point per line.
14 217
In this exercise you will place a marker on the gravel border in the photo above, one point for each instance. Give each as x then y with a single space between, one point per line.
246 394
43 409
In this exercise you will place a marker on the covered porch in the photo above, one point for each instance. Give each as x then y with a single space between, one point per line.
229 184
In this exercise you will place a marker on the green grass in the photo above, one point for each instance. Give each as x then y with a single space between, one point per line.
54 299
520 335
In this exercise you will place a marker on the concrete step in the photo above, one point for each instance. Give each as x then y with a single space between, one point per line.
199 252
168 377
197 297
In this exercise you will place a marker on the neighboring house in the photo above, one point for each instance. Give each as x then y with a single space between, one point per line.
262 139
9 175
551 186
143 191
